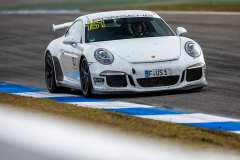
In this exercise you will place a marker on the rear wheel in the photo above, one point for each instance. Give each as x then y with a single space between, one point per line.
50 77
86 83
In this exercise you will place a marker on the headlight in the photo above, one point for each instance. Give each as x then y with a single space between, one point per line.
192 49
104 56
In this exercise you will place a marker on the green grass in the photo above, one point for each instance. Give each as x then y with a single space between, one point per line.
156 130
99 5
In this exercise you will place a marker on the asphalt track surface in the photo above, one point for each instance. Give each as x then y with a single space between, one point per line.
24 39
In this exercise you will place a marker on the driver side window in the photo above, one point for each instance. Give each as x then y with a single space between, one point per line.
77 31
69 31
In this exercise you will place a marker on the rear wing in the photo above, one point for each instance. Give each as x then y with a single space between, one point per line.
60 26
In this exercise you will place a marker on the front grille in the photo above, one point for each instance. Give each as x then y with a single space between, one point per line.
116 80
158 81
194 74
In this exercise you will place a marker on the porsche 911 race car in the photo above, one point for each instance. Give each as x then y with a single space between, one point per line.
122 52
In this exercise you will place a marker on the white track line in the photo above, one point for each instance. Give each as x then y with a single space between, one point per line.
190 118
45 94
197 12
238 132
89 12
110 105
97 105
76 11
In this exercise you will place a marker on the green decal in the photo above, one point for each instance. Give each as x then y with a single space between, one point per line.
92 39
89 21
95 25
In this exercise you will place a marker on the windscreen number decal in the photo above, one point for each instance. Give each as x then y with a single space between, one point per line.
95 25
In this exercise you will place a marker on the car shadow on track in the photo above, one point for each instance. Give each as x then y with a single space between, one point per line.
137 95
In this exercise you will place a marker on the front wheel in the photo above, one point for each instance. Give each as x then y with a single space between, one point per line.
86 83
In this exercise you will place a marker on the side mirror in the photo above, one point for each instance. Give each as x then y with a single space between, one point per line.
181 31
69 40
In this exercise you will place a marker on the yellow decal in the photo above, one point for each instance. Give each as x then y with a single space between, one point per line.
95 25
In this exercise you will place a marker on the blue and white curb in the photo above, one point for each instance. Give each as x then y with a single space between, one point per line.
68 11
139 110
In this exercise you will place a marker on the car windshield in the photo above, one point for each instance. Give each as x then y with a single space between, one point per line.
126 28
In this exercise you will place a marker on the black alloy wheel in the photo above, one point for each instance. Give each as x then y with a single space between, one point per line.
50 77
49 73
86 83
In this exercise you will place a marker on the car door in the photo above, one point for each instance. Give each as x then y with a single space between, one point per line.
71 52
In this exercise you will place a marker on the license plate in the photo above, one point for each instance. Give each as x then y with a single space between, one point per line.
158 72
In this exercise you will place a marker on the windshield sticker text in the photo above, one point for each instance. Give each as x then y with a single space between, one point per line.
95 25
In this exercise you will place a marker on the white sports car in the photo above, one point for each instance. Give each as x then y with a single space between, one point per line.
122 52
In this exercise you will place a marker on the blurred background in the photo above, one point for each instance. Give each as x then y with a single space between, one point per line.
100 5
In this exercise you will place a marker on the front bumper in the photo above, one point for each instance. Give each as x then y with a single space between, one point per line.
177 67
187 87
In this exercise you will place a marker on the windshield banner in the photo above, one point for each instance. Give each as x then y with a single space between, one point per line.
95 25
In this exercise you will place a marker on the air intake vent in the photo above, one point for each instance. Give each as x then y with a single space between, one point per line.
116 81
194 74
158 81
183 76
131 80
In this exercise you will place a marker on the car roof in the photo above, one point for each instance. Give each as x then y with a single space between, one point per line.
119 13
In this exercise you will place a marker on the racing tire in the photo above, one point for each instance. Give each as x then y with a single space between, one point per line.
50 77
85 77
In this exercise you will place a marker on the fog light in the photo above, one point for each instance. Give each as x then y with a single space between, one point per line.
98 81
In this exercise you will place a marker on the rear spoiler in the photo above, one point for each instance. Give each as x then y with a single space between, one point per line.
60 26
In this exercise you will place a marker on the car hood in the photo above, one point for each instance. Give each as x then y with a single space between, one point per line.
138 50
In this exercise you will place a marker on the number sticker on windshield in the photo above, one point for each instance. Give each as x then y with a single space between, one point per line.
95 25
